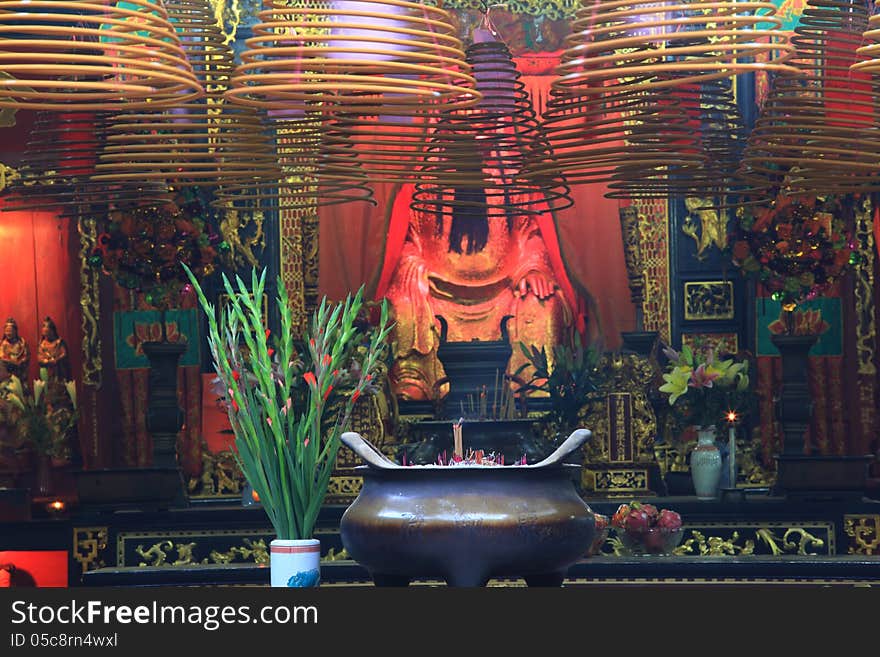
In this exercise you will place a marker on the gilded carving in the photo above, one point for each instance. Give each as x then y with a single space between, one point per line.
310 260
220 476
784 545
251 550
88 545
89 303
617 482
864 289
8 175
343 488
699 543
705 225
629 229
864 530
242 234
620 374
708 300
720 342
654 249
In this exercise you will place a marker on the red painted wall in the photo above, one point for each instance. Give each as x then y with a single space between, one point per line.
35 568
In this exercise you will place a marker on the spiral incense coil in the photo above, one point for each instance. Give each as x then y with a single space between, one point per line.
175 144
305 179
714 118
476 157
58 159
384 58
389 149
870 52
612 42
628 136
245 151
91 55
819 131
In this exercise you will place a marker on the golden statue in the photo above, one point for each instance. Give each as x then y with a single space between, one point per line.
473 272
52 352
14 352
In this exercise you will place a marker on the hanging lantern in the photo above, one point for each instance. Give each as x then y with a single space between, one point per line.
91 55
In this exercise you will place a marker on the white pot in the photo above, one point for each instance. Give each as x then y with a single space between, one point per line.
295 562
706 464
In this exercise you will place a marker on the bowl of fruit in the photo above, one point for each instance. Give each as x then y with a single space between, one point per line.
642 529
601 535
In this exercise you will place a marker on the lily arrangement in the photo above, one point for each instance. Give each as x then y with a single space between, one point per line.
44 420
289 406
703 388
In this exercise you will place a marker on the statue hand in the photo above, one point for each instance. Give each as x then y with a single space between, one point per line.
541 285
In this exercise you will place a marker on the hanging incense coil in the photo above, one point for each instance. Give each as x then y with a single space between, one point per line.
870 52
176 144
637 136
476 157
388 57
91 55
620 45
614 117
715 120
303 177
58 159
819 131
246 156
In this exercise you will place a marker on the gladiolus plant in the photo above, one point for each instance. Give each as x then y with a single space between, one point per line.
285 407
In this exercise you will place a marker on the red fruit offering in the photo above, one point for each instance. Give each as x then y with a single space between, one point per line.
669 519
601 521
652 512
637 521
619 517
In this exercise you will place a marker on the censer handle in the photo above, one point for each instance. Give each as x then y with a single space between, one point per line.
575 440
367 451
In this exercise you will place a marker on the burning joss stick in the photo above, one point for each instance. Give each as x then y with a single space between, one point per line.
457 449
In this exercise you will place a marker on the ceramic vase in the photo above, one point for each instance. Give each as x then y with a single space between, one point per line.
706 464
295 563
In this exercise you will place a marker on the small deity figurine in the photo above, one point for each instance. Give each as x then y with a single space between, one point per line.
14 352
52 352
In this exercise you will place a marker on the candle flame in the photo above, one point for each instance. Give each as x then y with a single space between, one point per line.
731 416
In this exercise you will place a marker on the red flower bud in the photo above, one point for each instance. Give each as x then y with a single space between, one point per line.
355 395
326 359
270 351
236 375
268 333
234 406
309 378
327 392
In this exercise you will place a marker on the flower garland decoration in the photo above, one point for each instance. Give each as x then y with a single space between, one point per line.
797 247
142 249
